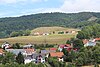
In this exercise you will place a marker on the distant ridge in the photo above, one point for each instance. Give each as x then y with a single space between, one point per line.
72 20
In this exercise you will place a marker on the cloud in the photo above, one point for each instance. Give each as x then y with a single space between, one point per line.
11 1
17 1
72 6
39 1
67 6
80 5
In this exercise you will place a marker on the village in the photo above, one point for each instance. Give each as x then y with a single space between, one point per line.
31 54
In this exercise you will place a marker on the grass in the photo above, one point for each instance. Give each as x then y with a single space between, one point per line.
47 39
50 39
51 29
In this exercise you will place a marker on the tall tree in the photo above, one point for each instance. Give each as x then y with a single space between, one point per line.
20 58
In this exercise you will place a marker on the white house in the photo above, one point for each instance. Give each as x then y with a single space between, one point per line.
6 45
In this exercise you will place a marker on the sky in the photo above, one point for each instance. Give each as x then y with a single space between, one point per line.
14 8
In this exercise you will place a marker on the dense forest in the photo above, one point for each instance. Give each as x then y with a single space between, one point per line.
75 20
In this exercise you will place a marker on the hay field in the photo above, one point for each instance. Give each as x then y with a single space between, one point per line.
50 39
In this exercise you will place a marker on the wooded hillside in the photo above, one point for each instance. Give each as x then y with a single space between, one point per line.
74 20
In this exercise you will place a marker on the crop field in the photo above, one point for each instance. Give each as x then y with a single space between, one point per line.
42 39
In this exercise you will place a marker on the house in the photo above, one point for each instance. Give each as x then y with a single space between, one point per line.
59 55
66 46
90 43
28 52
1 52
6 45
25 52
28 59
46 52
35 58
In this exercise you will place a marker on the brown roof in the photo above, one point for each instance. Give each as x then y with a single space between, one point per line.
56 54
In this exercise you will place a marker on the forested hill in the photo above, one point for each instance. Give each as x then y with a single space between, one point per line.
75 20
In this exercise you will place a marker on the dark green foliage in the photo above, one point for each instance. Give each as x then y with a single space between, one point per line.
16 46
68 42
8 58
78 43
43 46
55 63
20 33
61 32
65 51
20 58
89 32
76 20
70 65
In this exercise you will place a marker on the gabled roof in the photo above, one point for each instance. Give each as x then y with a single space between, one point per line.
56 54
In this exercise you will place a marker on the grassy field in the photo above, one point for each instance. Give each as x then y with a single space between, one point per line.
50 39
52 29
43 39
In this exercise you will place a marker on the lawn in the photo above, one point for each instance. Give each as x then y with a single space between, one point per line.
43 39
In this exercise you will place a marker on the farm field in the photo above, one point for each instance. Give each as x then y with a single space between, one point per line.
52 29
42 39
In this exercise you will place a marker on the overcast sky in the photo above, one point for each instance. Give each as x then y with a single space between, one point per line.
10 8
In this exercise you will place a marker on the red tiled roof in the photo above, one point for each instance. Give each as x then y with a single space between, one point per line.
53 48
97 39
64 45
56 54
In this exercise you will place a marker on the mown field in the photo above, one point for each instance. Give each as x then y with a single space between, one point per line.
43 39
52 29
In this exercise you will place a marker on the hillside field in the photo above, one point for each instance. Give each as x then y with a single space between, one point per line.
50 39
43 39
52 29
